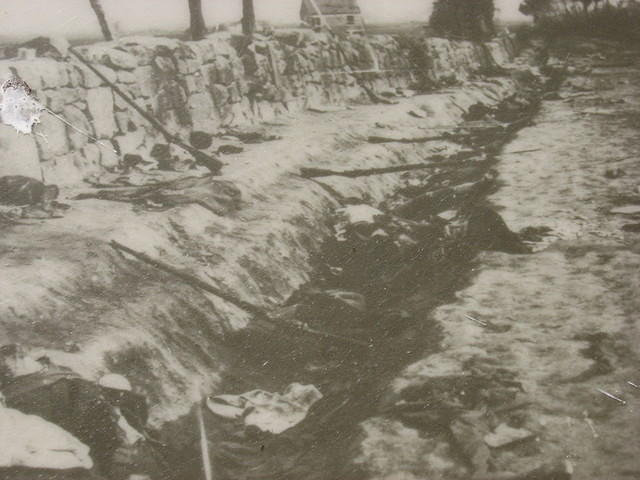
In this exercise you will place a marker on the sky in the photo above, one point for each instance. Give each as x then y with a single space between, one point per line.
27 18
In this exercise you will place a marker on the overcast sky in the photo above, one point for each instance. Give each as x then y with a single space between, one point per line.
22 18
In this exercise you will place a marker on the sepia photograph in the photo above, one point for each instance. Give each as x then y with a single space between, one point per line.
319 239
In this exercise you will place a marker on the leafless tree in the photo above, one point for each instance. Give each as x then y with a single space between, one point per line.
102 19
198 28
248 17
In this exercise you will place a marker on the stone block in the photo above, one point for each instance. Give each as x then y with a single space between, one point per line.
124 76
62 170
51 137
91 154
100 106
90 79
80 121
220 95
130 142
202 112
109 158
18 153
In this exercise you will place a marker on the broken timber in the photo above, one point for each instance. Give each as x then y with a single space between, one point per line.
200 157
254 310
454 160
444 136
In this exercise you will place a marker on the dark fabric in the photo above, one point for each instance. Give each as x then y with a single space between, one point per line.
19 190
76 405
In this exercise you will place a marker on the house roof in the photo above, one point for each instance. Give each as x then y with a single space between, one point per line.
332 7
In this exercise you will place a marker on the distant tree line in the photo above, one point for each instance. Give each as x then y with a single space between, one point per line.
602 18
197 26
465 19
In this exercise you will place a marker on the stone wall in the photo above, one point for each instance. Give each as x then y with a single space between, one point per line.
204 85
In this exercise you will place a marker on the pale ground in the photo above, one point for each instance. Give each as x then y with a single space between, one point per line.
583 281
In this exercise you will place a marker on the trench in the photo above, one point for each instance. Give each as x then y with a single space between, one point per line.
354 377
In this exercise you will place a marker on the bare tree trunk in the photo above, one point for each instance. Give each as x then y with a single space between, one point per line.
104 26
248 18
198 28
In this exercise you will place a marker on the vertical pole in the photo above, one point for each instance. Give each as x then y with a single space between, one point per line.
102 19
248 18
204 446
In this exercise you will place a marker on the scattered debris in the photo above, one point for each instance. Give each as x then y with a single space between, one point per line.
611 396
326 108
252 136
229 149
270 412
626 210
505 435
218 196
631 227
614 173
589 422
479 322
445 136
200 140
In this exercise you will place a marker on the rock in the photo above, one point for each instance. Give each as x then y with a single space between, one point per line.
505 435
109 157
79 120
477 111
270 412
112 58
54 47
229 149
100 105
200 140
